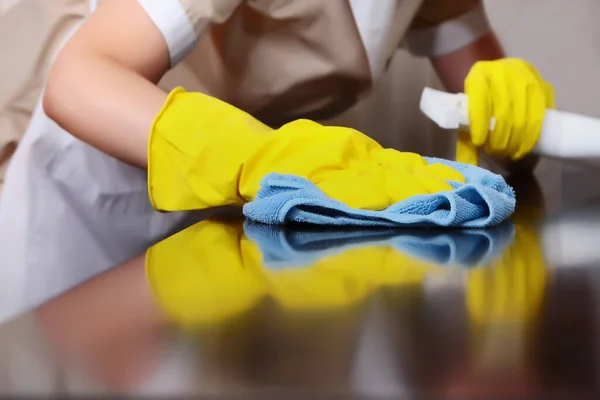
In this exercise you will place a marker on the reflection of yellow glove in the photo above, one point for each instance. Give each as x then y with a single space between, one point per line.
513 92
512 288
211 272
207 272
348 277
504 299
206 153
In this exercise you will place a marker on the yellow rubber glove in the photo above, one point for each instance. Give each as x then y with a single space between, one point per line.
206 153
514 93
211 272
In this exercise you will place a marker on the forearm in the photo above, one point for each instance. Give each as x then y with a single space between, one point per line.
102 86
453 68
104 104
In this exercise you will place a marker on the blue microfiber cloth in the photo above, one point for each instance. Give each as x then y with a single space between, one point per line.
484 200
284 247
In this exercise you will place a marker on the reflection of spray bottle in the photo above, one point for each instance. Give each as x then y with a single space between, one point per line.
563 135
176 374
571 239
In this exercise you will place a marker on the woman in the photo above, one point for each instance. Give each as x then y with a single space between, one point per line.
79 170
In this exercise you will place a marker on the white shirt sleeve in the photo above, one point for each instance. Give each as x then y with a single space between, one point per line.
173 22
450 35
181 22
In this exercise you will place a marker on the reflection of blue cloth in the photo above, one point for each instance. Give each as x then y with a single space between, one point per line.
286 247
485 200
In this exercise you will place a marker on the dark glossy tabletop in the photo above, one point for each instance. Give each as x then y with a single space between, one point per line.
225 308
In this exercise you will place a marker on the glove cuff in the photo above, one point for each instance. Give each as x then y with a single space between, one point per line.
154 160
196 149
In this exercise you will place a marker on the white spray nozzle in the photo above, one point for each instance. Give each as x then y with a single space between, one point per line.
447 110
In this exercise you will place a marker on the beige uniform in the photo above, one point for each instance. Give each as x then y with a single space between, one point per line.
277 59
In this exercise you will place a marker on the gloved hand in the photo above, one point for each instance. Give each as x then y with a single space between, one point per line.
206 153
513 92
211 272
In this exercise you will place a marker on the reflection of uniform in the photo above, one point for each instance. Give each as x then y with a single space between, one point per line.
277 59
